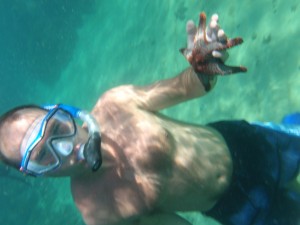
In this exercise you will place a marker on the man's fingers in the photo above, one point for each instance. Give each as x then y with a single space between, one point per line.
215 17
211 30
191 32
216 54
223 55
222 36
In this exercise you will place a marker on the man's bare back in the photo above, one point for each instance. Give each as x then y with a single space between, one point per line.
154 164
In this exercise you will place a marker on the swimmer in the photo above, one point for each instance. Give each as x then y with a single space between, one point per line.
130 165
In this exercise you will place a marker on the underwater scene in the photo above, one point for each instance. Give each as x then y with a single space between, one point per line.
72 51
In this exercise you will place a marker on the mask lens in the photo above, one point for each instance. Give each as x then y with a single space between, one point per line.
48 142
60 125
63 147
43 155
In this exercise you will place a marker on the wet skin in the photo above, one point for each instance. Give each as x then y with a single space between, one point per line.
154 166
151 163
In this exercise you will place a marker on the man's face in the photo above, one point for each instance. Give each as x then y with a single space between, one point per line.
14 132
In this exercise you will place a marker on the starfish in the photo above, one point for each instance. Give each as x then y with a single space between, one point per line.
206 50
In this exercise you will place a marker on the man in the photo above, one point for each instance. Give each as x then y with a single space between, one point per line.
140 167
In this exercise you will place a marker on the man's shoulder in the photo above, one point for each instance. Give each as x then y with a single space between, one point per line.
120 94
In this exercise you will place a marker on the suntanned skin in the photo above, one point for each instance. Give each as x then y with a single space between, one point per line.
154 166
152 163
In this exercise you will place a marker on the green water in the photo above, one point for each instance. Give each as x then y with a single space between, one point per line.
72 51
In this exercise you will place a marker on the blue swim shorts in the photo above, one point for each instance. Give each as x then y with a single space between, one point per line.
265 161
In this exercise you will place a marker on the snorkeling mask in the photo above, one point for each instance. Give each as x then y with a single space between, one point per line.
50 138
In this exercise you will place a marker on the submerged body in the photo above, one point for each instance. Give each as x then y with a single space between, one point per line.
154 163
153 166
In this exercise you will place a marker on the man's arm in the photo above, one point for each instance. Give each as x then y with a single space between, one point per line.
169 92
205 52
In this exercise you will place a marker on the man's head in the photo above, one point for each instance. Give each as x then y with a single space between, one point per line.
13 126
47 140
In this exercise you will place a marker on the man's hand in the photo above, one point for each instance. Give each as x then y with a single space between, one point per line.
206 47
